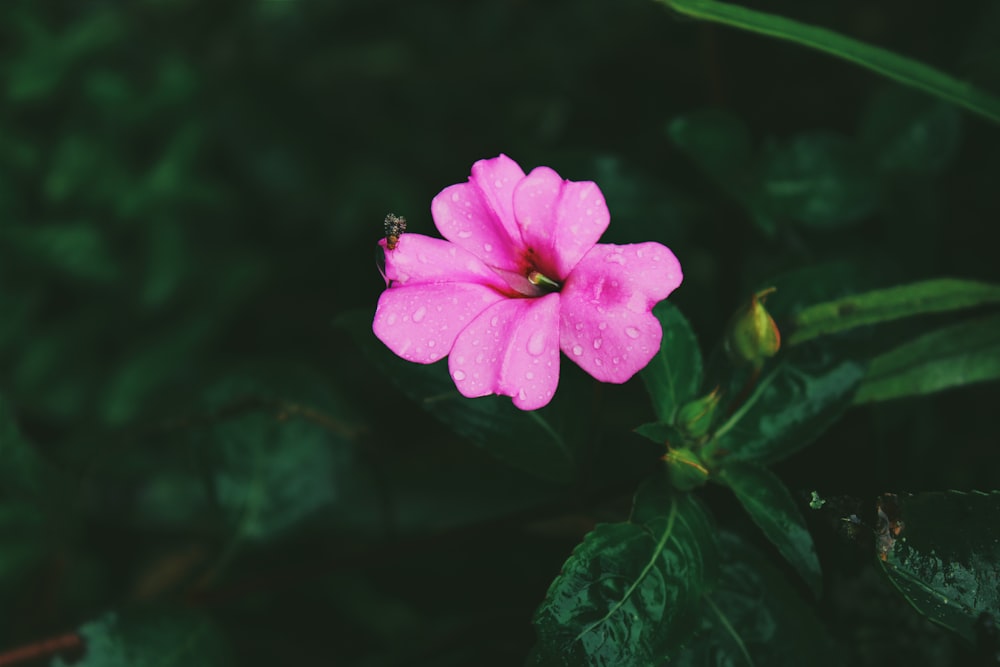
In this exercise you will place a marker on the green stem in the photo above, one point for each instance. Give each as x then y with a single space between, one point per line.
903 70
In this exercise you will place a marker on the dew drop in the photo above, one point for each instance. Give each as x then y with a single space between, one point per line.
494 321
579 326
498 184
391 319
419 314
602 326
631 332
614 258
521 394
464 234
597 343
458 375
536 344
487 247
431 343
529 375
455 196
616 360
597 360
577 350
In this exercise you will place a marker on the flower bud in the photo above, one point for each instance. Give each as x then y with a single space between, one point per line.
694 419
753 337
685 469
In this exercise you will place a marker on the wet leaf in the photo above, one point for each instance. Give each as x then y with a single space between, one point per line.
942 551
674 375
771 506
754 617
629 594
791 405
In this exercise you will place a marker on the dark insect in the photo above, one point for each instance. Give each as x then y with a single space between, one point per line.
394 227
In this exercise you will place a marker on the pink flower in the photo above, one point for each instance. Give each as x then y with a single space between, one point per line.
520 277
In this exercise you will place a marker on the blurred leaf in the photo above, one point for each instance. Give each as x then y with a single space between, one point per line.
952 356
821 180
929 296
771 506
21 467
719 143
790 407
911 132
674 375
754 617
629 593
77 250
22 534
942 551
151 638
526 440
276 463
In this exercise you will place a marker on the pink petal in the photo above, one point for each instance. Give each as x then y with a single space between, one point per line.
419 259
605 321
479 215
560 220
511 349
420 322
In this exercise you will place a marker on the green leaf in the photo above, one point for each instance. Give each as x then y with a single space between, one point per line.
953 356
660 433
942 551
790 407
821 180
151 638
771 506
903 70
753 617
526 440
910 132
929 296
629 594
674 375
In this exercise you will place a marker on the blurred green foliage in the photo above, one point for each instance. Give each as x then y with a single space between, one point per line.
196 449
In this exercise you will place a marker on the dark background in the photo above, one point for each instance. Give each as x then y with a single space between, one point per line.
190 197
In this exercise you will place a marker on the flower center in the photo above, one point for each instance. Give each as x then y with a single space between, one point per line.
545 284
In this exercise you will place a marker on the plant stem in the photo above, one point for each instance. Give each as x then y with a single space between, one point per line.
896 67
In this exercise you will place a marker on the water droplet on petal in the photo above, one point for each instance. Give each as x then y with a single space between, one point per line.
577 350
536 344
602 326
458 375
494 321
579 326
419 314
455 196
391 319
597 343
464 234
431 343
487 247
616 360
529 375
522 395
631 332
597 360
498 184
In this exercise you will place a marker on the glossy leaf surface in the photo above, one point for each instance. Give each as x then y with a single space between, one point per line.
942 551
770 504
629 594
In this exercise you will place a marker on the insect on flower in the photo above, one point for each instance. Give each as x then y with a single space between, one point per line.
394 227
